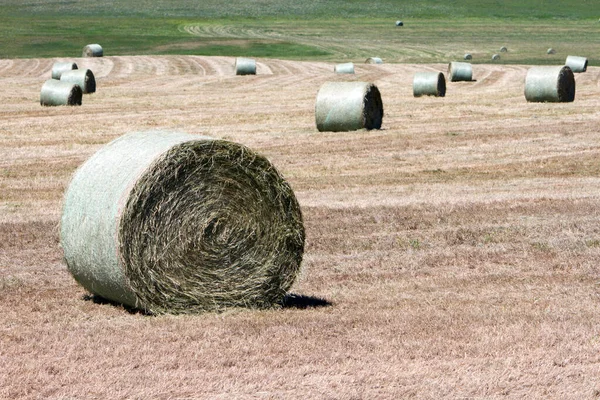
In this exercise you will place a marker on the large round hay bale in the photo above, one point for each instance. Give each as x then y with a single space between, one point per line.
468 56
169 222
92 50
348 106
399 23
576 63
373 60
550 84
245 66
345 68
495 57
82 77
59 67
460 71
550 51
59 93
503 49
429 84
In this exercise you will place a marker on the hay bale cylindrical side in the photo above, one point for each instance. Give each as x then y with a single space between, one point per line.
429 84
503 49
92 50
468 56
348 106
345 68
373 60
169 222
82 77
399 23
460 71
550 51
245 66
59 67
550 84
495 57
576 63
59 93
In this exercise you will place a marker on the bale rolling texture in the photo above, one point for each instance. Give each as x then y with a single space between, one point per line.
577 64
245 66
373 60
550 84
460 71
59 67
82 77
169 222
92 50
345 68
348 106
59 93
429 84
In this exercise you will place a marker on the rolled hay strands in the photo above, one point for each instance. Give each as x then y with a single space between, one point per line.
92 50
373 60
245 66
550 84
82 77
59 67
460 71
60 93
345 68
187 224
468 56
348 106
429 84
576 63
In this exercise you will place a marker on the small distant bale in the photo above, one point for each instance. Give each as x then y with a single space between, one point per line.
59 67
399 23
82 77
503 49
468 56
345 68
550 84
429 84
460 71
495 57
60 93
550 51
348 106
245 66
92 50
576 63
373 60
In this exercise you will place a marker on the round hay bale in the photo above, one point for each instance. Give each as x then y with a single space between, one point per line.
550 84
550 51
92 50
348 106
60 93
245 66
345 68
169 222
82 77
399 23
373 60
429 84
577 64
468 56
503 49
495 57
460 71
59 67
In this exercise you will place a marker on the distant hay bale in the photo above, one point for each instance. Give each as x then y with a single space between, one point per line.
468 56
550 84
245 66
59 67
495 57
348 106
503 49
59 93
92 50
429 84
82 77
373 60
399 23
345 68
169 222
577 64
550 51
460 71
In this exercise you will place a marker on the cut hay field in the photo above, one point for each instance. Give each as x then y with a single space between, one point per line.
458 248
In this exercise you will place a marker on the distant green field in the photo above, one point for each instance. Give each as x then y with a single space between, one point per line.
434 31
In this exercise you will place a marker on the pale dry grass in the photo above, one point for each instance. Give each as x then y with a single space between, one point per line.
459 246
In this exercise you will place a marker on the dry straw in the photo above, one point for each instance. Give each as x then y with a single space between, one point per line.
429 84
460 71
550 84
59 93
59 67
345 68
82 77
92 50
577 64
245 66
348 106
374 60
169 222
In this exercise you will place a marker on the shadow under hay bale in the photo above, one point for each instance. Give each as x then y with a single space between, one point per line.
373 60
59 93
303 302
348 106
550 84
59 67
576 63
429 84
345 68
82 77
460 71
245 66
189 224
92 50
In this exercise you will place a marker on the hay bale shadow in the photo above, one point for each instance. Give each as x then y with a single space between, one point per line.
94 298
303 302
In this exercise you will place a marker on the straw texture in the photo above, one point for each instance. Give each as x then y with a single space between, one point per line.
348 106
92 50
59 93
345 68
374 60
576 63
550 84
460 71
82 77
59 67
245 66
174 223
429 84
